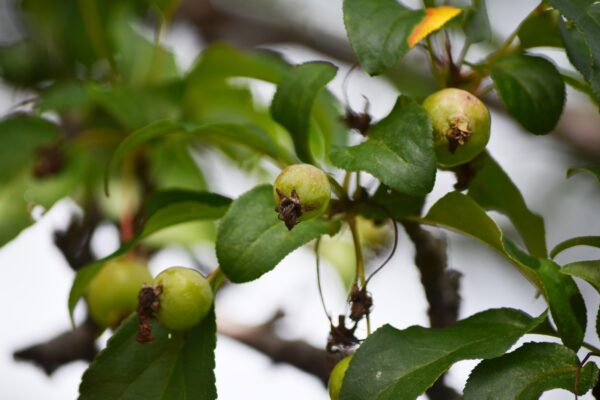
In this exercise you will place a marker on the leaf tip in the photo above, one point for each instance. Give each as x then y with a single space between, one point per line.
435 18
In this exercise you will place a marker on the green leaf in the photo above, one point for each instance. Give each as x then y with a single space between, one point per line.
399 150
593 241
590 170
135 107
21 136
461 213
221 61
532 90
493 189
577 49
164 209
141 62
566 303
540 29
598 322
293 102
529 371
582 43
176 366
389 203
251 239
476 23
378 31
247 135
586 270
402 364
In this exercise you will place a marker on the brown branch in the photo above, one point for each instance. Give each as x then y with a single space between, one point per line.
245 29
441 290
72 345
310 359
74 241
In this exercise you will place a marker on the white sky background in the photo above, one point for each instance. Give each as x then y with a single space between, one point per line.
35 279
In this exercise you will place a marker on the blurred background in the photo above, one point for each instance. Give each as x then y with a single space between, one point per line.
36 278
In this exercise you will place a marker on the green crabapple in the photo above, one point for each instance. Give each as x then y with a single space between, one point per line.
302 192
185 298
112 294
461 125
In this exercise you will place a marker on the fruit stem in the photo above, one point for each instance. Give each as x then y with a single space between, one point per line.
216 279
318 264
360 263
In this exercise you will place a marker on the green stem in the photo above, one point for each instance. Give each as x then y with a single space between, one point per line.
216 279
506 48
360 262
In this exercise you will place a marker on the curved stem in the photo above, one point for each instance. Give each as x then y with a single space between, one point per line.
394 248
318 263
360 263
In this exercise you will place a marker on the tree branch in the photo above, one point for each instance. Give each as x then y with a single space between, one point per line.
72 345
441 290
310 359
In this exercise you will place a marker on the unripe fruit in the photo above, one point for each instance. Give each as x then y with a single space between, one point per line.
461 125
301 192
112 294
373 237
337 378
185 299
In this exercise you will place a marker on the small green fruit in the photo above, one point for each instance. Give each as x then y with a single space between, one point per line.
301 192
337 378
461 125
112 294
374 237
185 300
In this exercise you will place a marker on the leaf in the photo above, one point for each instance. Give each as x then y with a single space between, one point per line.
389 203
435 18
528 372
176 366
21 136
165 209
493 189
141 62
247 135
293 102
586 270
593 241
221 61
590 170
598 322
540 29
566 303
251 239
461 213
476 23
378 31
399 150
135 107
585 16
532 90
402 364
578 52
173 207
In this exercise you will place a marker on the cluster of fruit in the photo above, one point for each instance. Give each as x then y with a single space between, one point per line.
461 127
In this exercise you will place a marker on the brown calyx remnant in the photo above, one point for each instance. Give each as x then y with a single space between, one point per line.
148 304
50 161
341 338
360 303
458 134
359 121
290 209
